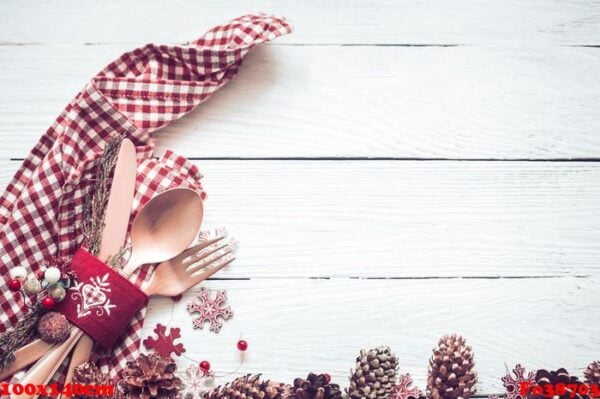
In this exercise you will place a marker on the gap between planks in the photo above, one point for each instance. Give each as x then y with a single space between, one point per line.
379 159
274 44
337 21
583 276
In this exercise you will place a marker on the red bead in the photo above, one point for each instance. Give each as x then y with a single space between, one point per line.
327 378
47 303
204 366
242 345
14 285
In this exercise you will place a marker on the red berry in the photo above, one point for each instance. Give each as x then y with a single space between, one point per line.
242 345
327 378
47 303
204 366
14 285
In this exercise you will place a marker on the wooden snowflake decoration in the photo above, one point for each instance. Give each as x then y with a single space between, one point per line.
196 383
403 389
164 344
513 384
210 310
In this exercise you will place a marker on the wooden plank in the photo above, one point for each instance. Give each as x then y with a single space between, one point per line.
298 326
317 22
462 102
405 219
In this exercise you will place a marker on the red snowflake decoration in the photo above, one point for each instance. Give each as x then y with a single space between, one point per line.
211 310
164 345
513 384
403 390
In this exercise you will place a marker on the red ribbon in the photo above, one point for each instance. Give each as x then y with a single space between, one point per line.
101 302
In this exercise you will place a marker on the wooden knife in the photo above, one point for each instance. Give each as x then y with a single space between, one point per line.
118 212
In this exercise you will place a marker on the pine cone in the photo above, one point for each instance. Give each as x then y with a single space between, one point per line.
249 387
89 374
592 373
314 387
149 377
544 377
374 375
451 370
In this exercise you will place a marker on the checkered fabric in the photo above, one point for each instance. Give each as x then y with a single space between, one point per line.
142 91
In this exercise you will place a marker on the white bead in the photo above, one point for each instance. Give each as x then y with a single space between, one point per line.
52 275
18 272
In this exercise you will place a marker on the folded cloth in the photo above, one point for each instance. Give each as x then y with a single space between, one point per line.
142 91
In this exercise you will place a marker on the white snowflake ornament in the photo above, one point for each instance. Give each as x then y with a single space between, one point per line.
207 235
196 383
403 390
210 310
513 384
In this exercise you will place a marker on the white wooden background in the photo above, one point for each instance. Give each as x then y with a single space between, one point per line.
393 170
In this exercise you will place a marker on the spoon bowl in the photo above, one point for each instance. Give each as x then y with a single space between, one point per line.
165 227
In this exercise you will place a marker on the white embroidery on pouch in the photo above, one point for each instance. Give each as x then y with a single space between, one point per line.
93 297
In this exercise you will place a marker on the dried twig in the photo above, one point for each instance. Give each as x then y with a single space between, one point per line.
95 205
15 337
115 260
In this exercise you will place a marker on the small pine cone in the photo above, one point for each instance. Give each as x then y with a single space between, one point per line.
149 377
374 375
545 377
451 370
89 374
592 373
249 387
314 387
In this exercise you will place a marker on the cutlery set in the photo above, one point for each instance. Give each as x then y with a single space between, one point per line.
161 233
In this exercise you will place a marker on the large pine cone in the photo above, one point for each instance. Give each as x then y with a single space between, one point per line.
374 375
545 377
592 373
149 377
451 370
249 387
314 387
89 374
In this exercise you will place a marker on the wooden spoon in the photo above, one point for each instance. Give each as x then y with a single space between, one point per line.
165 227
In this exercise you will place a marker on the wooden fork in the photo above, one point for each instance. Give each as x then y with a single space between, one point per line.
177 275
170 278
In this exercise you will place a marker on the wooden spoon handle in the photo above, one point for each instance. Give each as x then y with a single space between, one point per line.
80 355
43 370
24 356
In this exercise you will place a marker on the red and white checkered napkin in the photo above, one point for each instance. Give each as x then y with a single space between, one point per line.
142 91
